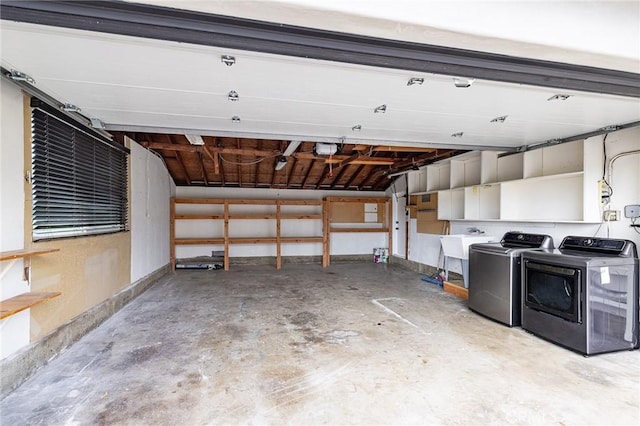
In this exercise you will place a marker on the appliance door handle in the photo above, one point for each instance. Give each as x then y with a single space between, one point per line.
493 253
550 268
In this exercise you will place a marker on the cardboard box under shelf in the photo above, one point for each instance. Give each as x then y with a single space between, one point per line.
427 215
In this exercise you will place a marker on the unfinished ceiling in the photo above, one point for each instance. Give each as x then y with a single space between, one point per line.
264 163
249 105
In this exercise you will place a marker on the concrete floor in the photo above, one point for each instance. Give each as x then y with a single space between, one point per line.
353 344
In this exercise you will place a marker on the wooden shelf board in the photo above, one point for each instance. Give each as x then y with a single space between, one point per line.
198 241
253 216
301 202
24 301
198 200
252 240
18 254
301 216
252 202
357 200
359 229
199 216
301 239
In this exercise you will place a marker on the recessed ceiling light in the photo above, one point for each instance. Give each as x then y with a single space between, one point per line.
195 139
235 119
380 109
415 80
463 82
457 135
559 97
356 128
70 108
16 75
228 60
233 96
501 119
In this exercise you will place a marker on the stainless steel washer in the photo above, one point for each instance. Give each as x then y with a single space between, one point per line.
494 275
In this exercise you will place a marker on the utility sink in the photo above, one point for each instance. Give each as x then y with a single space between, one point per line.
457 245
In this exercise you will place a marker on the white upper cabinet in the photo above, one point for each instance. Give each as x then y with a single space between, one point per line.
557 183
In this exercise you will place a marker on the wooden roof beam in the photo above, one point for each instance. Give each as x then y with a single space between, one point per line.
338 159
187 178
387 148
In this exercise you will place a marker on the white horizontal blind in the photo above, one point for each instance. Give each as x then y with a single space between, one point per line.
79 181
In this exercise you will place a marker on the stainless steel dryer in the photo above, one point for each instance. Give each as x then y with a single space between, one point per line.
583 296
494 275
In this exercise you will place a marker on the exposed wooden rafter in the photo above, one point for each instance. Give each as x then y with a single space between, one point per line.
180 162
240 162
385 148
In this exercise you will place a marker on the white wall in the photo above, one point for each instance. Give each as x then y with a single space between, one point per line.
14 330
341 243
151 189
625 179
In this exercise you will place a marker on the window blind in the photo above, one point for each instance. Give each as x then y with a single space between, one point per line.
79 179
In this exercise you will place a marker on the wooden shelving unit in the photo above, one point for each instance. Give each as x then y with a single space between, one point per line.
19 303
228 215
350 211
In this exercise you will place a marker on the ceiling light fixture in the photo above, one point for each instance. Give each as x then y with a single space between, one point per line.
70 108
233 96
16 75
559 97
228 60
291 148
463 82
282 161
356 128
415 80
195 139
235 119
457 135
380 109
325 149
500 119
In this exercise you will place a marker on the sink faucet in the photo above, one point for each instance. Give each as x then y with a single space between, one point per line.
474 230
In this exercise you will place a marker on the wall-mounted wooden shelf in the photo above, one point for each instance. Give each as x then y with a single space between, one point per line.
24 301
19 254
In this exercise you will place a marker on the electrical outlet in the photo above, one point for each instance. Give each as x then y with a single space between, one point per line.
611 215
603 192
632 211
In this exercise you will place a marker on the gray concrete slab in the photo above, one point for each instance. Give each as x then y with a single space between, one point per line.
352 344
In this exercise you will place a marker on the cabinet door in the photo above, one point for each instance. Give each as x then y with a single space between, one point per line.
548 199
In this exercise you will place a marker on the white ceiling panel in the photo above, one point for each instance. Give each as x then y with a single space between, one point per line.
129 82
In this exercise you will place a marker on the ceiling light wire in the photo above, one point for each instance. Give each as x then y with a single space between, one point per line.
249 163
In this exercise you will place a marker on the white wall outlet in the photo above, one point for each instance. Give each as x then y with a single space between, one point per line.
611 215
632 211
